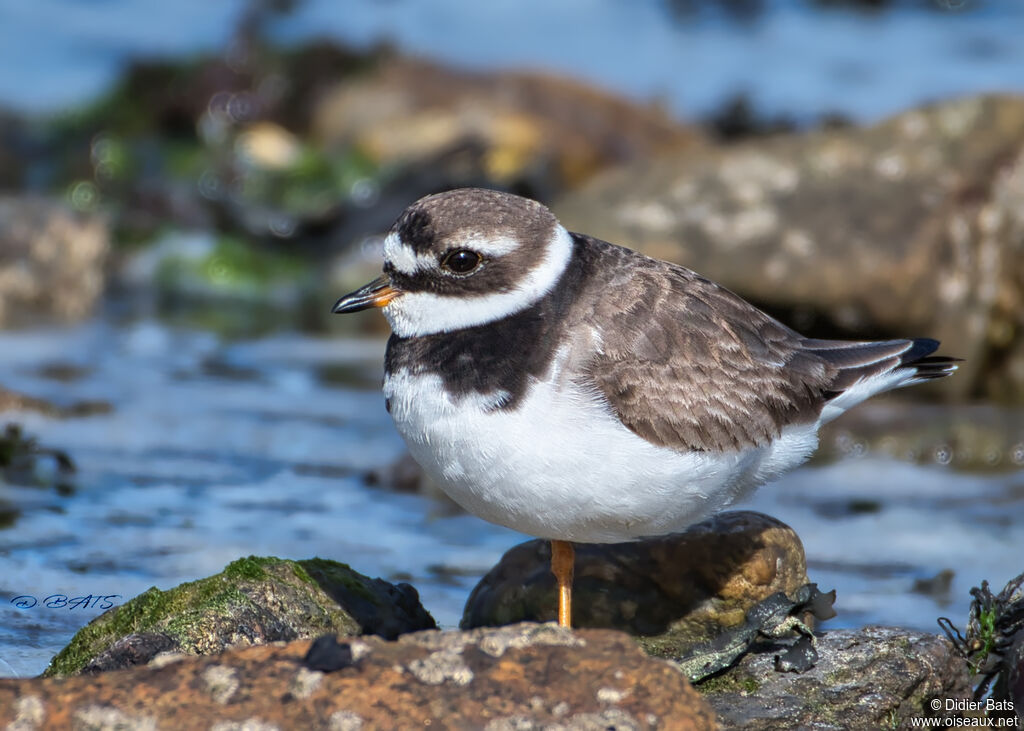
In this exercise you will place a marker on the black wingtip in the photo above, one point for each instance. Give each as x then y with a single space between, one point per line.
860 361
920 347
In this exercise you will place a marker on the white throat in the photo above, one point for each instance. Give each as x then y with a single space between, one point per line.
424 313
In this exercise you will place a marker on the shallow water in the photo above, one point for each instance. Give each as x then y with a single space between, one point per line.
216 449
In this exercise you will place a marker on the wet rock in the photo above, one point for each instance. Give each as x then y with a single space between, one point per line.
23 461
51 260
736 119
521 677
878 677
1014 685
531 129
776 617
254 601
326 654
406 475
63 371
673 592
13 401
938 586
134 649
914 226
402 475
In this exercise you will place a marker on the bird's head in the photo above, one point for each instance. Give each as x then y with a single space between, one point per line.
464 258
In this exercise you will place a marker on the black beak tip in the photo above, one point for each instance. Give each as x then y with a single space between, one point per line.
347 304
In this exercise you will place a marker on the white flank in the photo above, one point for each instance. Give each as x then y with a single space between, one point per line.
561 465
424 313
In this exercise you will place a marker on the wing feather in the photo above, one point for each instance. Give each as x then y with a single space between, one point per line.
689 365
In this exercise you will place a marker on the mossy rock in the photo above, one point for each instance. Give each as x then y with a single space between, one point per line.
253 601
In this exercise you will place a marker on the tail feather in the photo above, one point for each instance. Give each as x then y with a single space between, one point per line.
867 368
938 366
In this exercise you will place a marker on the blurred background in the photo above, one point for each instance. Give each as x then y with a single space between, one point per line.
186 188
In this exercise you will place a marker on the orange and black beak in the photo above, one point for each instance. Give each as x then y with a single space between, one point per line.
375 294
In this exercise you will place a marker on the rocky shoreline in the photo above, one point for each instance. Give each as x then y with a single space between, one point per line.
271 643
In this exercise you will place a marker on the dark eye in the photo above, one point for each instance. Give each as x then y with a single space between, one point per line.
461 261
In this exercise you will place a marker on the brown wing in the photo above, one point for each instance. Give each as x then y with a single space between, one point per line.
688 365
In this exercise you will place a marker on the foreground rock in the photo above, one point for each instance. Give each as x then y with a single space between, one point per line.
520 677
911 227
51 260
878 677
254 601
674 593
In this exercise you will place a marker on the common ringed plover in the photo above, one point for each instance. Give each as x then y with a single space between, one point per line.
579 391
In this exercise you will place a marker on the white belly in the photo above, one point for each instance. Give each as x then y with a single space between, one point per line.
560 465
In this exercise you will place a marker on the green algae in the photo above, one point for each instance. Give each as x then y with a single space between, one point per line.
728 682
188 612
250 568
327 573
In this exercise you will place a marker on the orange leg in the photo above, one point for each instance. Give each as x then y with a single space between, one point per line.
562 559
